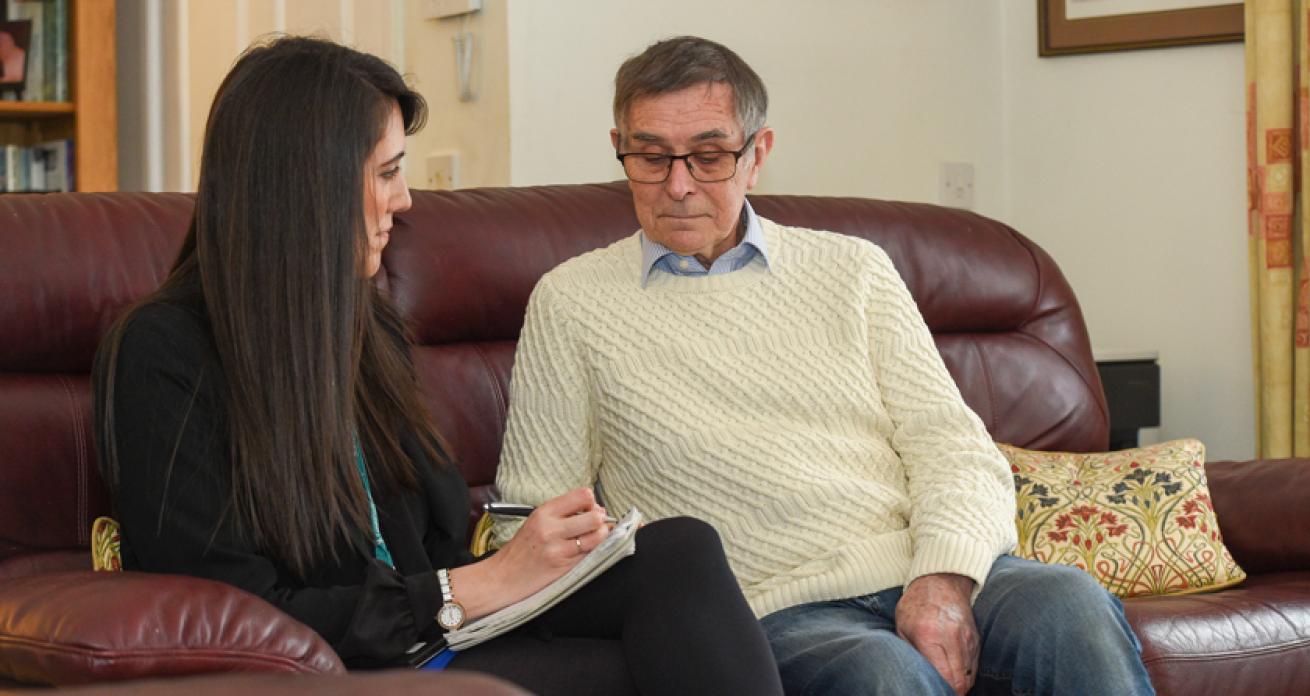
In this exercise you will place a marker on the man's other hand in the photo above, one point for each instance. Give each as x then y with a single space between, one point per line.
934 615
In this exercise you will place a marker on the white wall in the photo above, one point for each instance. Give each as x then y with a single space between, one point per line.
867 97
1129 169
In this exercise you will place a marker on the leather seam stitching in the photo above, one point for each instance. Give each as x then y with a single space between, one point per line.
153 654
491 372
1104 415
987 383
1032 311
79 437
1270 650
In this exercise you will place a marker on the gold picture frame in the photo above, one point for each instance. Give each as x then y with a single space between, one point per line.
1058 35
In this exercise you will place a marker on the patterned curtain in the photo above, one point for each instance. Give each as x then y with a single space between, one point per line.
1276 146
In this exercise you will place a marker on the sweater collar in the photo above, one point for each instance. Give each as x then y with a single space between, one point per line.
752 244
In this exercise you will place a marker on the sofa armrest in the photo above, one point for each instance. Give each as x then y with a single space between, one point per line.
1263 507
82 627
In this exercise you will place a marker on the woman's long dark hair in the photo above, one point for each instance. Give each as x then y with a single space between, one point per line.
312 353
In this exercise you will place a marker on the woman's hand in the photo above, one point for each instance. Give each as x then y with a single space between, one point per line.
551 541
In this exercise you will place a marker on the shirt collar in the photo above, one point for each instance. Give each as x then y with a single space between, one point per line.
652 251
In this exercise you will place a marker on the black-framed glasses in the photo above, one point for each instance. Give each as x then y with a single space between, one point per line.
706 167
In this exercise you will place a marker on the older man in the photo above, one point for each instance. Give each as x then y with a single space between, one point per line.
780 383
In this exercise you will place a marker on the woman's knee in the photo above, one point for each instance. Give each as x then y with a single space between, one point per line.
681 542
681 535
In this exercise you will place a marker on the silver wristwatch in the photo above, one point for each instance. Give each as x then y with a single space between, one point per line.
451 614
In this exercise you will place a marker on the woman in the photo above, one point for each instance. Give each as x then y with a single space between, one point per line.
261 424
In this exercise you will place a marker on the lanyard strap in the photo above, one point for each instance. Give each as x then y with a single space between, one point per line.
380 550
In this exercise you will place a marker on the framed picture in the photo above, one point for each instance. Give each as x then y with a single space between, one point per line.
1091 26
15 40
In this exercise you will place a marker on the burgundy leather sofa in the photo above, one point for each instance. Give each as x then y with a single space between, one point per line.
461 266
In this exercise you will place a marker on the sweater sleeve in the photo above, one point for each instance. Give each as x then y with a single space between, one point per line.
173 498
550 438
961 490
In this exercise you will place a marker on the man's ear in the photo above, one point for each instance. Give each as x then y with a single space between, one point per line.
762 147
614 138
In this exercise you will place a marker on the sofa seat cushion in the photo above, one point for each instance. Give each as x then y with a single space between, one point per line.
1253 639
44 562
392 681
82 627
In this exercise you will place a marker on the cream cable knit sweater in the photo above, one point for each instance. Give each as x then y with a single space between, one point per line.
802 409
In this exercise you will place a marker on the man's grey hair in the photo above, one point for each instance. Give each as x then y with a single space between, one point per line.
675 64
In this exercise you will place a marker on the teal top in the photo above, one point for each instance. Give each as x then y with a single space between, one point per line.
380 550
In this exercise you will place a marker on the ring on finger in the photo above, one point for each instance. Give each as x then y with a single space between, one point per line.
579 544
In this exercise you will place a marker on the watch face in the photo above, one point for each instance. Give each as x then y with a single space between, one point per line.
451 616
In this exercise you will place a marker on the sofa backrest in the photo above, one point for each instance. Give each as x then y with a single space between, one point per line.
461 266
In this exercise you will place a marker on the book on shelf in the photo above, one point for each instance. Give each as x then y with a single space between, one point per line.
42 168
46 60
619 544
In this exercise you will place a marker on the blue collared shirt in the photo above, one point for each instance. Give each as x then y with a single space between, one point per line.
656 256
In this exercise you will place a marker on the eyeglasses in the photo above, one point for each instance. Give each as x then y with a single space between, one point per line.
705 167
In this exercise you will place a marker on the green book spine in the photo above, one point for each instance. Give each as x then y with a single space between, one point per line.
48 50
59 40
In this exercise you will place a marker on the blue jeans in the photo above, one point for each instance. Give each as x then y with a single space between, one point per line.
1044 629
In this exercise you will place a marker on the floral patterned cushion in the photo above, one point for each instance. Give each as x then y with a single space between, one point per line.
1140 521
105 541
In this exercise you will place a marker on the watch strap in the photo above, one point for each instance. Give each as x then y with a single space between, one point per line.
443 580
451 615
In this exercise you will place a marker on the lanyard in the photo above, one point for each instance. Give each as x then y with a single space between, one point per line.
380 550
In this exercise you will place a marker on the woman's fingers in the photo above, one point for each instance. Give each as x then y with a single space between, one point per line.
571 515
592 539
582 523
570 503
566 527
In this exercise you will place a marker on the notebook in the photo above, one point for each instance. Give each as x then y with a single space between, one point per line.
619 544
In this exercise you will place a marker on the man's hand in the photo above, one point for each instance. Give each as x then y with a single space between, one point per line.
935 617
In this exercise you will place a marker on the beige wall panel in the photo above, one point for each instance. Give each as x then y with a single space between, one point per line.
262 17
374 29
322 17
175 98
478 130
211 49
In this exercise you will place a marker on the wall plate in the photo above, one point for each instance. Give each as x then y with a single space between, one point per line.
441 9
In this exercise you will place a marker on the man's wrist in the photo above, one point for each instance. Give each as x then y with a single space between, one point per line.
962 584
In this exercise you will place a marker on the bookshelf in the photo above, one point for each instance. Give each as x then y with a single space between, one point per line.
91 118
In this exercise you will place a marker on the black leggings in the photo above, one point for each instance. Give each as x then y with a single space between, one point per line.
669 619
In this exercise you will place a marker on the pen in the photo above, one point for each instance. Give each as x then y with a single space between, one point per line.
521 510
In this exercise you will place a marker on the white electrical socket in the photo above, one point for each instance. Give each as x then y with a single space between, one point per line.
956 185
443 170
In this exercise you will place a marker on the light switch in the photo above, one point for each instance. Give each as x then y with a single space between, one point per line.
443 170
956 185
